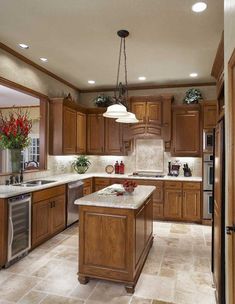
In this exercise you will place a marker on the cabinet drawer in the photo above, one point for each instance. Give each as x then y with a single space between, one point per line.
173 185
192 185
48 193
102 181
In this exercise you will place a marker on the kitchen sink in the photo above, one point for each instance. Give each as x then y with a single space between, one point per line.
39 182
34 183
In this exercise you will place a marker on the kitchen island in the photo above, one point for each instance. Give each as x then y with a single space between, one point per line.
115 235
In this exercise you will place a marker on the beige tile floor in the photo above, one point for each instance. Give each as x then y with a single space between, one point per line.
177 271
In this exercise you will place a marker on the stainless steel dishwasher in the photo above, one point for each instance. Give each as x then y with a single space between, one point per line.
74 191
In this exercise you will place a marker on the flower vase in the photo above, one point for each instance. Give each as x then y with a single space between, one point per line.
15 160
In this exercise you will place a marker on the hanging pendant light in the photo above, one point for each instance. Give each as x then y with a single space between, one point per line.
119 107
130 118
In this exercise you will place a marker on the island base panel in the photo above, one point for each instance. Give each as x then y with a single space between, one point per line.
114 243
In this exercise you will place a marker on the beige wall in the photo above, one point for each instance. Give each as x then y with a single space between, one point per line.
208 92
20 72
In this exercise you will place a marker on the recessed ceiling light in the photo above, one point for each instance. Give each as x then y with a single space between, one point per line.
199 7
91 81
23 46
142 78
43 59
193 75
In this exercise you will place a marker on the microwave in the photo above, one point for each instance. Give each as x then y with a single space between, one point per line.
208 140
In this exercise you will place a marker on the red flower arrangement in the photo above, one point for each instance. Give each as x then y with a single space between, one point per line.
14 129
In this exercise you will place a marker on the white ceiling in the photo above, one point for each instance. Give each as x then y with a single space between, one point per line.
167 40
10 98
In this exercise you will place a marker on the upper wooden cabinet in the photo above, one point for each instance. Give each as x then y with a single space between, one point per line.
113 137
95 133
209 114
104 135
154 115
81 133
186 130
67 129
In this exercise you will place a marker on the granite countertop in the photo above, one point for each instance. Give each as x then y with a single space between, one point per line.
126 201
10 191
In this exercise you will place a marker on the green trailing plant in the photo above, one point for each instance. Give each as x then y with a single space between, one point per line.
192 96
103 101
81 164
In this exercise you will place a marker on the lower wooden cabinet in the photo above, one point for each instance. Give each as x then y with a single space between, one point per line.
87 186
173 204
191 205
48 214
182 201
101 183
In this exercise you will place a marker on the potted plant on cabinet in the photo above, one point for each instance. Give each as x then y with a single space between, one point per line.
14 134
81 164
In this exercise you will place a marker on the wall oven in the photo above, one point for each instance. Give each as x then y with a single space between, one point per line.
207 204
208 140
19 227
208 172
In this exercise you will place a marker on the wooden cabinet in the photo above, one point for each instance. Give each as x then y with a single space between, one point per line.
173 204
113 137
104 135
95 133
87 186
67 129
48 214
158 196
186 131
81 133
209 114
140 233
114 243
3 232
182 201
101 183
154 114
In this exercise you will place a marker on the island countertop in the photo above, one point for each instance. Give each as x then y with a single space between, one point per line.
126 201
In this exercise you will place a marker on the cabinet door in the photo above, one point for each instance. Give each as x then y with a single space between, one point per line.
81 132
186 133
209 116
154 112
69 131
139 234
101 183
41 224
113 137
173 204
139 109
192 205
95 134
58 213
87 186
148 220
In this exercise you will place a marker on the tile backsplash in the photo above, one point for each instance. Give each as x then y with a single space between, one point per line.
148 155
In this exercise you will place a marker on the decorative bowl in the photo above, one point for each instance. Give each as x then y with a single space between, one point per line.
129 189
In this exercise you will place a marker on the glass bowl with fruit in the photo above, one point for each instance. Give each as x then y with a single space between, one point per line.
129 186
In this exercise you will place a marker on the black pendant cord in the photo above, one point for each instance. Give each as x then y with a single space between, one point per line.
118 72
125 65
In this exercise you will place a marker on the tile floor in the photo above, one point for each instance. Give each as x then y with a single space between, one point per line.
177 271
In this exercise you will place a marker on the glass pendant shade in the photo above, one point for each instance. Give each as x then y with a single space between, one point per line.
130 118
116 111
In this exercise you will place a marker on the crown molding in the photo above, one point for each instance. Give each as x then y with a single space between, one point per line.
136 87
37 66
